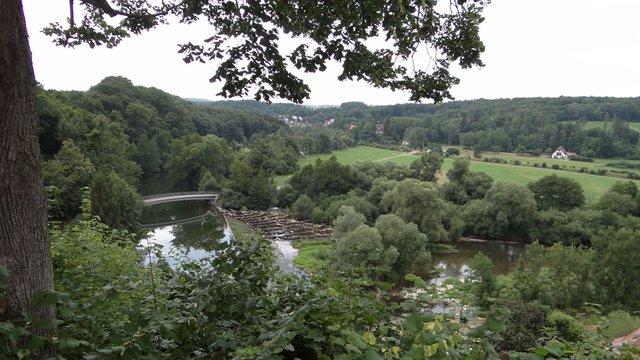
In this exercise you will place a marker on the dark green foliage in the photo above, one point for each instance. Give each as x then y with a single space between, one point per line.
69 171
326 177
616 265
556 192
617 203
525 325
410 243
452 152
303 207
208 182
193 155
625 188
565 327
387 169
285 196
420 203
484 279
558 276
255 187
273 154
465 185
115 202
504 213
427 167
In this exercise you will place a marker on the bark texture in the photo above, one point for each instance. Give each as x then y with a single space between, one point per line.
24 244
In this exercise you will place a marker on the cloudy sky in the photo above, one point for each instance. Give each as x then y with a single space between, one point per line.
534 48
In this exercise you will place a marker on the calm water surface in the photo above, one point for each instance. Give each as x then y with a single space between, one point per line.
178 230
458 265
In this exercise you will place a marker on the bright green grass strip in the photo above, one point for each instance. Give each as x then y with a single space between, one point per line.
352 155
594 186
314 255
601 124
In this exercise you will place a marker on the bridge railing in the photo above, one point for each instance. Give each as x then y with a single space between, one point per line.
181 193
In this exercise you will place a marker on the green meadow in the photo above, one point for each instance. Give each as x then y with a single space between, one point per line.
355 154
601 124
594 185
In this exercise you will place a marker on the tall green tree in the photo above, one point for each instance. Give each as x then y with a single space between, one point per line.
427 167
420 203
69 171
506 212
405 238
192 155
617 263
115 201
244 40
555 192
363 247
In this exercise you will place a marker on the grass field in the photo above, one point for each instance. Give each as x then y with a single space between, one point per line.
600 124
353 155
313 256
594 185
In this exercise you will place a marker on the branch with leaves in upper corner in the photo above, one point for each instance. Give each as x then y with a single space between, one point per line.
246 36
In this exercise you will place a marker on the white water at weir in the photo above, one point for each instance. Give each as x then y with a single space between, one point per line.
286 253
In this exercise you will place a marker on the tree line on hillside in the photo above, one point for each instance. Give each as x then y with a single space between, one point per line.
387 219
531 125
115 134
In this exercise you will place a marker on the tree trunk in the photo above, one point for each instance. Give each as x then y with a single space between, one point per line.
24 243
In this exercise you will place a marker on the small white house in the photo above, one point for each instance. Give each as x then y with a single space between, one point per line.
561 153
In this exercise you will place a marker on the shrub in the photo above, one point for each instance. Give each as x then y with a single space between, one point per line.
619 323
582 158
525 324
555 167
565 327
452 152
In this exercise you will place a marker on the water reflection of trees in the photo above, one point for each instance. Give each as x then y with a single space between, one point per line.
198 235
503 255
160 213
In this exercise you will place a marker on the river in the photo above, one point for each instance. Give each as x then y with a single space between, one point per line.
457 265
180 234
186 241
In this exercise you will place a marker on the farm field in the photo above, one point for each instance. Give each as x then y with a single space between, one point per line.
600 124
594 185
353 155
359 153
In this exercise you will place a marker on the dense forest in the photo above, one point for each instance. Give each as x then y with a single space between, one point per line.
76 281
102 146
531 125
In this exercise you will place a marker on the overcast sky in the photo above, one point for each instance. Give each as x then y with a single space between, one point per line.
534 48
